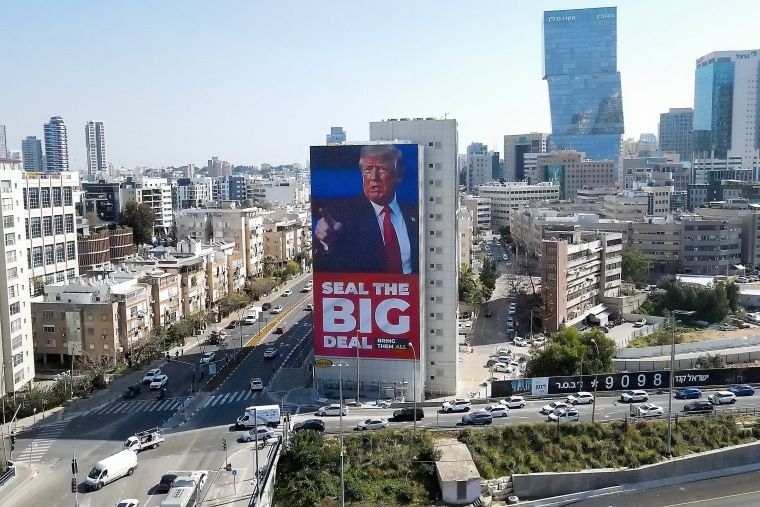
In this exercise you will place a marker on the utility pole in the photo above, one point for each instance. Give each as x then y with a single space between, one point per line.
74 470
256 449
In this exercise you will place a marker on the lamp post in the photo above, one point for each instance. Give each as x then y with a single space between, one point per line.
596 381
414 384
340 365
357 366
672 363
240 325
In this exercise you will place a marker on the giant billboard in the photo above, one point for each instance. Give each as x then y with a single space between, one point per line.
365 223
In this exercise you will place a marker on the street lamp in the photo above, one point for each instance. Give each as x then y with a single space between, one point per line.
672 362
414 384
596 380
340 365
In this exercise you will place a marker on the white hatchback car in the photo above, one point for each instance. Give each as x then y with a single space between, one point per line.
333 409
456 405
580 397
514 402
159 381
634 396
373 423
496 410
722 398
551 407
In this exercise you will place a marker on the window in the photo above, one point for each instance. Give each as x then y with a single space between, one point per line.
37 256
10 239
8 221
17 341
56 197
67 196
69 223
35 230
59 255
47 226
49 259
58 221
34 198
47 314
15 308
70 253
6 187
70 273
10 256
7 203
45 195
48 329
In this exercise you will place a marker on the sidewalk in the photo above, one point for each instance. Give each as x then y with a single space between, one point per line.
24 474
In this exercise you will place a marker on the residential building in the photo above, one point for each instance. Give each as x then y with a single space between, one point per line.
165 297
218 168
710 246
3 143
95 143
482 167
281 191
336 136
192 192
507 196
31 153
516 147
102 198
659 238
56 145
676 132
157 193
480 207
585 95
100 249
465 245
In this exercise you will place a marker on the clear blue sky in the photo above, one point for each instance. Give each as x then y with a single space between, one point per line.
178 82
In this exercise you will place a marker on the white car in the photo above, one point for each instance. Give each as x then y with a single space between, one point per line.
501 368
148 378
261 432
277 309
640 323
287 293
521 342
129 502
722 398
551 407
634 396
496 410
309 307
649 410
373 423
580 397
270 353
456 405
257 384
564 414
200 478
208 357
539 341
159 382
513 402
333 409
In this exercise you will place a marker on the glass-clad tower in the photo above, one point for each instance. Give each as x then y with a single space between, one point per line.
580 66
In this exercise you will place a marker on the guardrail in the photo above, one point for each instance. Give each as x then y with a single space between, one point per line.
8 475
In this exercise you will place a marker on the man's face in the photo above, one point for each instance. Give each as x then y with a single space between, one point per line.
380 180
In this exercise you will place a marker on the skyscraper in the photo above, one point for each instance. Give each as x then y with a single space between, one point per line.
336 135
726 114
580 67
31 153
95 138
3 143
56 145
676 132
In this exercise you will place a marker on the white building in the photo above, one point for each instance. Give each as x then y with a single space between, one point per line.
192 192
507 196
282 190
95 142
155 191
479 167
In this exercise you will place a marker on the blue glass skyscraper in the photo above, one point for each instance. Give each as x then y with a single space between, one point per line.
580 66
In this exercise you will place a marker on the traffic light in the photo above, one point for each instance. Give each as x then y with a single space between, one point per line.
13 441
224 444
73 485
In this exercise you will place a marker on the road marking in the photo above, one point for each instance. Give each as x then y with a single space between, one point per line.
208 401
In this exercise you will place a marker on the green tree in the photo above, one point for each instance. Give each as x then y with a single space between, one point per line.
487 279
635 266
141 218
569 352
292 268
469 291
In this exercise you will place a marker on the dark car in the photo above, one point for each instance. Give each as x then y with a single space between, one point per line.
132 391
266 306
310 424
166 483
477 418
233 324
689 393
487 313
279 330
744 390
408 414
698 406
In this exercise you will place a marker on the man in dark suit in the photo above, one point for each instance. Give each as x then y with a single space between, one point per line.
374 232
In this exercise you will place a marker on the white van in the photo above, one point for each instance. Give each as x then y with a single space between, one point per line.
251 317
268 415
111 468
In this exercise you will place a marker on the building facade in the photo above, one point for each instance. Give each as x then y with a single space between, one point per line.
336 136
56 145
676 132
572 171
516 146
508 196
31 153
95 143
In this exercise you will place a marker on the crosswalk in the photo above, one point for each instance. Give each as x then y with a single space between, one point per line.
221 399
130 407
34 452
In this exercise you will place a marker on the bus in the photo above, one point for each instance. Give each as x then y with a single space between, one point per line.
180 497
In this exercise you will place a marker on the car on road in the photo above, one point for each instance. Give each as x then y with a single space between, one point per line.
257 384
551 407
743 390
456 405
640 323
689 393
501 368
166 483
521 342
373 423
649 410
286 293
633 396
539 341
512 308
132 391
159 381
277 309
309 307
310 424
208 357
261 432
408 414
266 306
233 324
496 410
279 330
477 418
581 397
148 378
333 409
306 288
563 414
698 406
513 402
487 313
270 353
128 502
722 398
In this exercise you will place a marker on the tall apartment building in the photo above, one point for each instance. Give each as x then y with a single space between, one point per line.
585 94
439 356
676 132
516 146
218 167
482 167
31 153
572 171
16 346
95 143
50 201
507 196
157 193
726 116
336 136
56 145
191 192
3 143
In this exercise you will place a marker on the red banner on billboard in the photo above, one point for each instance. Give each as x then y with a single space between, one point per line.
378 313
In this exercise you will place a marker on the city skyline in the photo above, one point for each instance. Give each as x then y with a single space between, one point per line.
271 80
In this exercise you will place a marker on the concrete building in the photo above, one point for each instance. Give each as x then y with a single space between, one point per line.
465 246
219 168
516 147
56 145
281 191
3 143
192 193
95 143
571 171
480 207
100 249
481 168
659 238
31 153
710 246
507 196
157 193
676 132
165 297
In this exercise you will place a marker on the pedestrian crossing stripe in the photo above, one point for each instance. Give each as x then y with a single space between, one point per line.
37 448
129 407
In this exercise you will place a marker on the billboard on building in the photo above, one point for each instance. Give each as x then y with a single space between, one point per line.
365 224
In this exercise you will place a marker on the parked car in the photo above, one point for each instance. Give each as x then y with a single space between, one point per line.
551 407
521 342
159 382
233 324
208 357
408 414
649 410
148 378
487 313
333 409
640 323
698 406
497 410
539 341
722 398
634 396
743 390
262 433
513 402
270 353
477 418
373 423
310 424
501 368
277 309
581 397
286 293
564 414
465 315
456 405
309 307
688 393
166 483
512 308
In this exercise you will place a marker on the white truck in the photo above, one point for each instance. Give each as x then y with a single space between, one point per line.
263 415
142 440
111 468
252 315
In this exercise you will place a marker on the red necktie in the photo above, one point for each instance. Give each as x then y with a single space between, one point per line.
392 250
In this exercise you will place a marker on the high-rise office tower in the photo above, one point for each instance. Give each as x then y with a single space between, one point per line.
726 114
95 138
31 154
337 135
676 131
3 143
580 67
56 145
